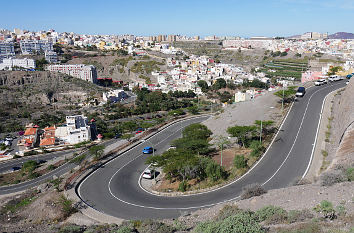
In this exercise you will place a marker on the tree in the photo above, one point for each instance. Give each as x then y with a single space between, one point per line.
97 151
220 83
196 131
243 133
333 70
287 94
221 141
203 85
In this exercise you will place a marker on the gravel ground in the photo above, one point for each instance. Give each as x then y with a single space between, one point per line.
263 107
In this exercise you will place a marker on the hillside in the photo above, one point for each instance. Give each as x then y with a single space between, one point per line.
27 95
341 35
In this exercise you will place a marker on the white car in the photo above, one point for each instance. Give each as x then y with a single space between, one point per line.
172 148
334 78
149 173
320 82
347 82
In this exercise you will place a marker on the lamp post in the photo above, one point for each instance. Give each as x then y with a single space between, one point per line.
260 135
282 102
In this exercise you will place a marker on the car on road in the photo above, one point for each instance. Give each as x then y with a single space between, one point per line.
149 173
349 76
15 168
148 150
334 78
347 82
320 82
300 92
172 148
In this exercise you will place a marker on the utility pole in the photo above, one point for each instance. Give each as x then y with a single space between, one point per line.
221 154
260 135
282 102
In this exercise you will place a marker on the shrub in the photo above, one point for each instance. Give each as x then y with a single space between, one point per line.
124 229
304 228
29 166
299 215
272 214
227 211
326 209
350 174
151 226
240 161
51 167
67 206
329 178
252 190
71 229
215 171
78 159
183 186
240 222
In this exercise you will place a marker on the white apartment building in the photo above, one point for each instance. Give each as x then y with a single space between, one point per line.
81 71
7 50
31 46
51 57
76 130
10 63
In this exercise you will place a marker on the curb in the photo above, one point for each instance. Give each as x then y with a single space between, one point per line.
90 211
217 187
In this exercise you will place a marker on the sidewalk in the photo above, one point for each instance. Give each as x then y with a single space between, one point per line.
316 163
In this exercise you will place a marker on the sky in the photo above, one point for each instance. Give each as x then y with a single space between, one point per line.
243 18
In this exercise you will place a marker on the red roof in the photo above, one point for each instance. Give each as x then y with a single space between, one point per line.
47 142
30 131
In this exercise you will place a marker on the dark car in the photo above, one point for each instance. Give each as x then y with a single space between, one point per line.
118 135
15 168
300 92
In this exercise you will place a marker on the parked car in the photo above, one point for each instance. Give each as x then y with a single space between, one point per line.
15 168
148 150
300 92
149 173
118 135
320 82
347 82
349 76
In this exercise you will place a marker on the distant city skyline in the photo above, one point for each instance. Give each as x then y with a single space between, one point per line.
221 18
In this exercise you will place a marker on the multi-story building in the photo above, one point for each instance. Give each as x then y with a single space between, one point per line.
7 50
38 46
76 130
81 71
51 56
10 63
171 38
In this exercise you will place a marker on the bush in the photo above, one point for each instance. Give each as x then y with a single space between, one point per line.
67 206
71 229
252 190
51 167
215 171
272 214
240 161
151 226
183 186
227 211
241 222
78 159
299 215
329 179
350 174
124 229
326 209
29 166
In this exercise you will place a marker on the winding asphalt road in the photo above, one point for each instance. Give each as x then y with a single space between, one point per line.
113 189
5 166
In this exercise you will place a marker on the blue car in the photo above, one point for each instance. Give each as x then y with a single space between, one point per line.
148 150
